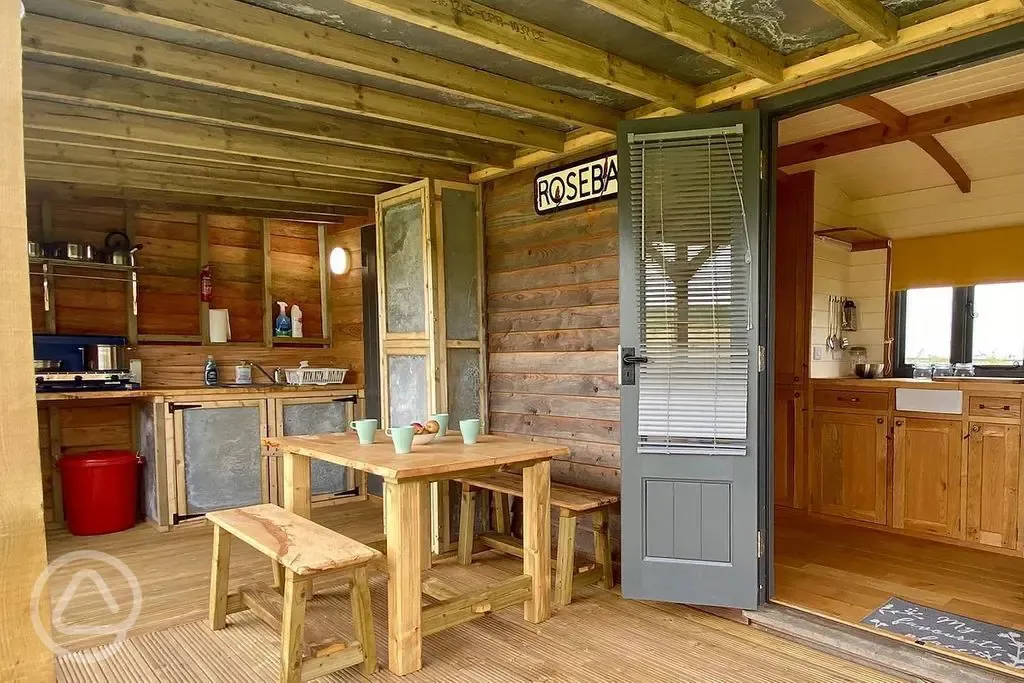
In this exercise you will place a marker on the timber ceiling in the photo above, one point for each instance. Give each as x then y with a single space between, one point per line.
310 107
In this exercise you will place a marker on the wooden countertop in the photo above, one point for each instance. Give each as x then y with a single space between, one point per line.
955 383
212 393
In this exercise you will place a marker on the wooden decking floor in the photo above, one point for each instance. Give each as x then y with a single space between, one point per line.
600 637
847 571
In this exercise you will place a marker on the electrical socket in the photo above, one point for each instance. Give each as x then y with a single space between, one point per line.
818 352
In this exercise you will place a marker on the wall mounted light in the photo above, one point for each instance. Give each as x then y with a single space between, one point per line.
339 260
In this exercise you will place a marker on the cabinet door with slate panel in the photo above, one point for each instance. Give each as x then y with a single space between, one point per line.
218 453
318 416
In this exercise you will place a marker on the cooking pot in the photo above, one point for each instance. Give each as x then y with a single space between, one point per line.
73 251
104 357
35 249
119 249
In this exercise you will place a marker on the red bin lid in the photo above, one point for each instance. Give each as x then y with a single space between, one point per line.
98 459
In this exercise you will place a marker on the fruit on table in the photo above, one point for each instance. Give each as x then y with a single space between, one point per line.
417 428
432 427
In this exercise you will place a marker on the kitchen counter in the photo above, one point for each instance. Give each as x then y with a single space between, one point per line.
200 391
961 383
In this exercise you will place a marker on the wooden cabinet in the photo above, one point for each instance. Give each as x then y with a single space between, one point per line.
794 256
993 484
300 416
848 465
790 446
218 454
926 491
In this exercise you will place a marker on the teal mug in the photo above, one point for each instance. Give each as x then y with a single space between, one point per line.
470 430
442 420
402 436
366 429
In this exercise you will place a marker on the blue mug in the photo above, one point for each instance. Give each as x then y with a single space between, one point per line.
366 429
470 430
402 437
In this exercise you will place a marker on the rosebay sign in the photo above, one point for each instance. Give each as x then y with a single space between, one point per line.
581 183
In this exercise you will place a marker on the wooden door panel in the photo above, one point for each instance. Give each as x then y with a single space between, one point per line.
926 476
794 245
993 469
849 465
789 449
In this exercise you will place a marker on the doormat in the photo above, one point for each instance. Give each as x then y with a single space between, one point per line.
952 631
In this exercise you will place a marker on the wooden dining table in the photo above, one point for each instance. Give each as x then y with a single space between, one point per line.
407 523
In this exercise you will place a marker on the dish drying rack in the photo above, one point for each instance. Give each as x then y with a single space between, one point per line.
319 376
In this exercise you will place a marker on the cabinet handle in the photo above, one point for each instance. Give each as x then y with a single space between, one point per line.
899 423
976 428
881 420
851 399
796 395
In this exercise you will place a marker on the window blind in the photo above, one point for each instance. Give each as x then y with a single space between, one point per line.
693 291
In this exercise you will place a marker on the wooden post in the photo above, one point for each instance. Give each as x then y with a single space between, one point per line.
362 619
405 643
219 578
204 260
297 494
22 540
293 618
501 513
537 539
427 536
49 284
467 521
603 546
566 558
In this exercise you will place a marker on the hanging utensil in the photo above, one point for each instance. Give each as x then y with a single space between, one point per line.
830 340
844 341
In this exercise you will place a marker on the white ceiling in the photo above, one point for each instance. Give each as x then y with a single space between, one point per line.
900 191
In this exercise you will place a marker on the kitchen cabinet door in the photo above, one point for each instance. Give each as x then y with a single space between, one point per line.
318 416
927 458
848 464
794 257
790 453
993 489
218 452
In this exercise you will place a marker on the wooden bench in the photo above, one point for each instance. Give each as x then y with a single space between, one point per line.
303 550
571 502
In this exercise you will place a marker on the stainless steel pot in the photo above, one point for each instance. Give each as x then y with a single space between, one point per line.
104 357
43 365
35 250
74 251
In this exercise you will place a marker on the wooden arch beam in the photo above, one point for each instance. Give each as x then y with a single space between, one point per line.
869 18
900 123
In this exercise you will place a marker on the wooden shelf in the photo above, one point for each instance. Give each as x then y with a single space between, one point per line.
300 341
81 264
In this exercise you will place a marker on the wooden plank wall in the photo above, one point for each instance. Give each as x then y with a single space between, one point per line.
552 322
295 271
168 262
347 302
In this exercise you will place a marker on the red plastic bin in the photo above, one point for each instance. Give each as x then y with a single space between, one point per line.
100 491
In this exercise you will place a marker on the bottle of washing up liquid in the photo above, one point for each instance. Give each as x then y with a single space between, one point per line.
283 324
210 372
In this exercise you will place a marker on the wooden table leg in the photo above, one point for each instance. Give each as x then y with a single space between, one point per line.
297 490
537 539
427 531
404 527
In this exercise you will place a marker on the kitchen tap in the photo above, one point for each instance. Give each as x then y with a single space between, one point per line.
277 378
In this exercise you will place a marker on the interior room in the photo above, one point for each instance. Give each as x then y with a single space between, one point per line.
374 339
899 366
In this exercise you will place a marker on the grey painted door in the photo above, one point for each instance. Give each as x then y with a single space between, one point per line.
689 193
222 460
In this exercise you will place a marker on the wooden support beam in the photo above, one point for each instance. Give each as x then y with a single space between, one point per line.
114 148
897 121
99 48
148 180
76 119
921 30
692 29
943 158
72 192
56 152
869 18
25 657
954 117
280 34
77 86
469 606
504 33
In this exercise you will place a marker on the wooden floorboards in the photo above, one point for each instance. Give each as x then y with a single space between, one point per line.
848 571
599 637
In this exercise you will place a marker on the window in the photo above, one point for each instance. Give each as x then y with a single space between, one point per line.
982 324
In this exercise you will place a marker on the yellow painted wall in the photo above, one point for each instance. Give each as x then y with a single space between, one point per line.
960 259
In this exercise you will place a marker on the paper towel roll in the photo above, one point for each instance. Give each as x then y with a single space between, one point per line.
220 326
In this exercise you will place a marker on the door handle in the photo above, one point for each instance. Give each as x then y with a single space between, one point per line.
627 365
634 359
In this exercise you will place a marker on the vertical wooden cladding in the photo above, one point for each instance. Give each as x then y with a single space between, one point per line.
346 305
235 252
295 272
553 328
169 272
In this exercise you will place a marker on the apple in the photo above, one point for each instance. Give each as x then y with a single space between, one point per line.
432 427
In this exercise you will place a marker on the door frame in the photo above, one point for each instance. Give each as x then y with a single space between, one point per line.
930 62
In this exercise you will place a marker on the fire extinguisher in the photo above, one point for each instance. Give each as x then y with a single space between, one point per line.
206 284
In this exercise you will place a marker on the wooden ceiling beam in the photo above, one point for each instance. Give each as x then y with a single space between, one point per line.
896 120
504 33
696 31
869 18
70 118
127 161
78 192
77 86
105 146
70 43
953 117
281 34
63 171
